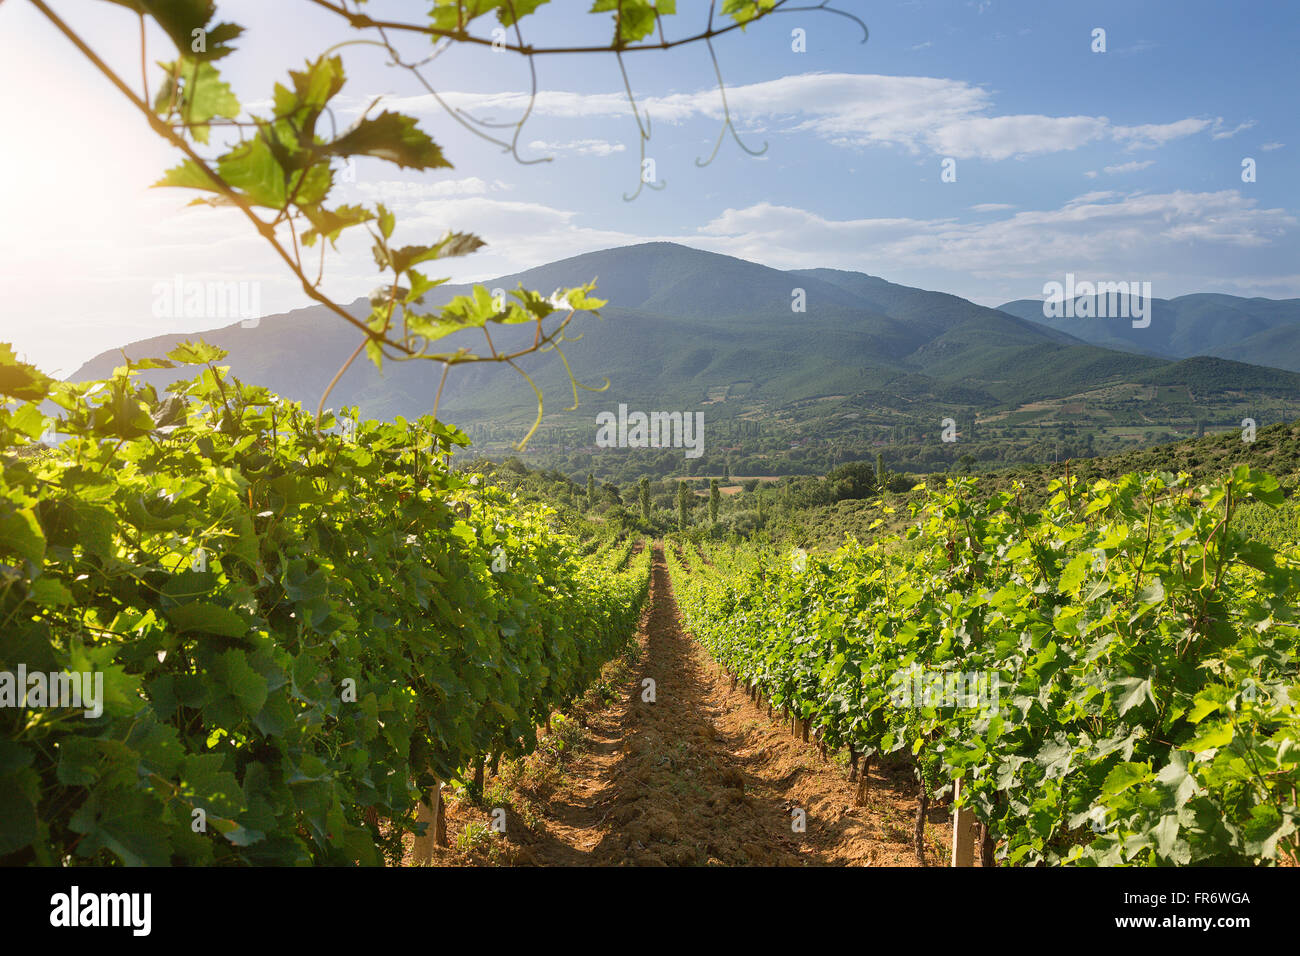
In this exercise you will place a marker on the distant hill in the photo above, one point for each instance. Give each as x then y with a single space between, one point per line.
868 362
1206 374
1256 331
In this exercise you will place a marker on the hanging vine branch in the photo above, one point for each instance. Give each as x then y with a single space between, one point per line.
280 169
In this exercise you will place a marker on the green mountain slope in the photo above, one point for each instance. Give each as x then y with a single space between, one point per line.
867 362
1257 331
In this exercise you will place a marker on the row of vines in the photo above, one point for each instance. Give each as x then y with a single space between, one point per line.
298 630
1111 678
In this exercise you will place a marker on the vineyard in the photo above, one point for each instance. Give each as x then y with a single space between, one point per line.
1111 679
508 434
300 632
303 632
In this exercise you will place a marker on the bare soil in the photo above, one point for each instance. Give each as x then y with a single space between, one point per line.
695 773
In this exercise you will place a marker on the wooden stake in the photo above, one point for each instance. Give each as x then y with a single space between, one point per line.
963 832
921 806
860 797
440 833
423 848
430 812
988 846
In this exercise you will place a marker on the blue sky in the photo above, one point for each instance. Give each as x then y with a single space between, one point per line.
1117 165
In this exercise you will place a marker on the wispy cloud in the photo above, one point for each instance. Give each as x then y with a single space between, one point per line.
1132 167
916 113
1141 46
1166 232
1153 135
580 147
1220 131
393 190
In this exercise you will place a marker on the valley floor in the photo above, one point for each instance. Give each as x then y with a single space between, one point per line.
700 776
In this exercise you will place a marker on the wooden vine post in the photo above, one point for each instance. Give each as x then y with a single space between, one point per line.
964 831
430 812
860 796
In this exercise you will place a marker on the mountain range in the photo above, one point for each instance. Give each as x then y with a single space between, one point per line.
687 329
1256 331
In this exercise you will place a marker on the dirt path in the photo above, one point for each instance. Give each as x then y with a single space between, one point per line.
699 775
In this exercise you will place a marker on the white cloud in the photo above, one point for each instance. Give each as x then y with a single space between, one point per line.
1095 196
1001 137
1269 147
916 113
1169 233
582 147
1107 231
1132 167
392 190
1153 135
1219 131
1141 46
